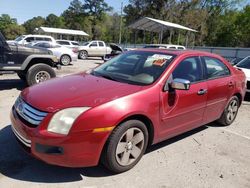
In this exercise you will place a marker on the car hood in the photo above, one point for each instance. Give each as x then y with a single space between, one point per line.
246 71
79 90
115 47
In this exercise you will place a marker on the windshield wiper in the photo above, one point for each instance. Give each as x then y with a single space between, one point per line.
107 76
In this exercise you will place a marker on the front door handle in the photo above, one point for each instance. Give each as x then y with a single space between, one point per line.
202 91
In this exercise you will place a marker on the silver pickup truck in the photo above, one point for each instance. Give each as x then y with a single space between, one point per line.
94 49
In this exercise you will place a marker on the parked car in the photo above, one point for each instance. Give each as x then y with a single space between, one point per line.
165 46
65 55
116 50
27 39
244 65
68 43
114 112
94 49
31 65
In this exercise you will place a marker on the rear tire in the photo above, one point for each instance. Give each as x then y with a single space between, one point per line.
39 73
125 146
230 112
65 60
83 54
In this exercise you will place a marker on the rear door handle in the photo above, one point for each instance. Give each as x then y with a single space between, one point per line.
202 91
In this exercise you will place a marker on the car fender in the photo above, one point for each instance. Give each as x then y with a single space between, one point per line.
38 56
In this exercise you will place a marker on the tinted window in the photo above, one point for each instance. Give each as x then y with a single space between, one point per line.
180 48
39 39
63 42
215 68
47 39
101 44
244 63
30 39
189 69
171 47
75 43
94 44
43 45
135 67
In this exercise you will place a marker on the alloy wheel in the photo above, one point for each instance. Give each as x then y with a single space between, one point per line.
232 110
130 146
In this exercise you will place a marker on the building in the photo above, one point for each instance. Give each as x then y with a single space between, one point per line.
65 34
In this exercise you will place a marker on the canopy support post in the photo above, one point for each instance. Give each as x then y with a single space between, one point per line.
170 37
187 38
179 35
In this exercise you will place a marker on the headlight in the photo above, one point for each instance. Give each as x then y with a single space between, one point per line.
63 120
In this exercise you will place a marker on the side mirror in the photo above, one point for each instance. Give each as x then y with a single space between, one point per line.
180 84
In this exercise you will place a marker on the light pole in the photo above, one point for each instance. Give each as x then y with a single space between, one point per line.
120 33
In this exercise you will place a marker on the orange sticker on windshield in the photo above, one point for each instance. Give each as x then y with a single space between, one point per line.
159 62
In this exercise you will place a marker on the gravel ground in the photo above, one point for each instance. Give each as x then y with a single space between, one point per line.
210 156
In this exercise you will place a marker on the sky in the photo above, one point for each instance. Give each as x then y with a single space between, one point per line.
24 10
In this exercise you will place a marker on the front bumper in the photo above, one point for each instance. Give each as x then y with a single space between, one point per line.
80 149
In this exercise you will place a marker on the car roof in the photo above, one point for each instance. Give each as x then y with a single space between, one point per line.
165 45
38 36
179 52
67 40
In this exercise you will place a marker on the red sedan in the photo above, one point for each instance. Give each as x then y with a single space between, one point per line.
114 112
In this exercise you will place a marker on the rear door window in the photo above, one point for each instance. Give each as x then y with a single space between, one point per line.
101 44
215 68
30 39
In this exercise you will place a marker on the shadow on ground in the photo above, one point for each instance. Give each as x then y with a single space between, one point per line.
247 97
8 84
16 164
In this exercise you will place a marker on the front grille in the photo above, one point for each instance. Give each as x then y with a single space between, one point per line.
248 84
28 113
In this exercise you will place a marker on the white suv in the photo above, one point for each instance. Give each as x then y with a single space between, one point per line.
26 39
68 43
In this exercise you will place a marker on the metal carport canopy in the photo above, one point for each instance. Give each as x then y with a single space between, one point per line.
159 26
155 25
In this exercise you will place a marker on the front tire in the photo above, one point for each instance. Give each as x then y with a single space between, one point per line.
230 112
39 73
125 146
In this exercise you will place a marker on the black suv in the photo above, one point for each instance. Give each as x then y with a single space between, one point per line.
31 64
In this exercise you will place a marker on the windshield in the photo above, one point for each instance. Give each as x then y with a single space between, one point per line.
19 38
85 44
135 67
245 63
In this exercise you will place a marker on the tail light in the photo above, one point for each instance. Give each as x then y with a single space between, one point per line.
75 50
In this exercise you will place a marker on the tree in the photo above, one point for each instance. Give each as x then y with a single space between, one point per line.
74 16
243 26
34 23
54 21
13 30
9 27
95 9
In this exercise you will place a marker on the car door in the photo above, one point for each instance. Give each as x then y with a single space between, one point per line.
182 110
2 61
220 87
93 49
101 48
